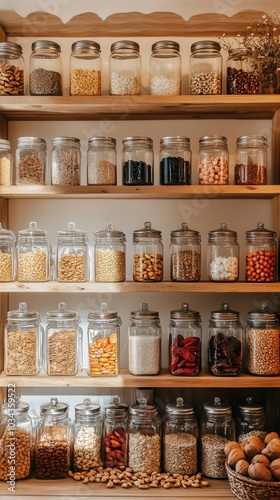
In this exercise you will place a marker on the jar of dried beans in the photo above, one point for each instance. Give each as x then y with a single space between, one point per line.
225 344
223 254
109 255
185 342
116 434
138 161
85 68
65 161
242 72
7 255
205 68
125 68
165 68
251 420
45 68
87 438
185 254
213 168
11 69
148 254
175 160
6 163
251 160
72 254
33 254
31 157
101 161
261 254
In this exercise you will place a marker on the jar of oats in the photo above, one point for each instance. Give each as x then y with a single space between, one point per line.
125 68
6 163
116 434
87 438
85 68
148 254
7 255
109 255
72 255
33 254
101 161
213 160
11 69
65 161
31 157
185 254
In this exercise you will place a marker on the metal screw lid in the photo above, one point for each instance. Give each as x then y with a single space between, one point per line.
5 145
45 45
217 408
260 232
125 44
87 45
30 142
66 141
11 47
239 52
205 45
179 408
87 409
101 141
165 44
213 140
54 408
177 140
147 232
137 140
225 314
185 313
185 232
252 141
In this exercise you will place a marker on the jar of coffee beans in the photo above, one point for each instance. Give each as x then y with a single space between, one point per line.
251 160
148 254
45 73
11 69
109 255
223 254
31 158
138 161
85 68
87 438
261 254
125 68
175 161
101 161
185 254
242 72
72 255
165 68
213 159
205 68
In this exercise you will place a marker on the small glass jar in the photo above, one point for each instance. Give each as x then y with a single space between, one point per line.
16 441
63 348
144 438
7 255
87 438
116 434
102 161
213 168
85 68
31 158
223 254
23 337
72 254
6 163
217 429
263 342
242 72
261 254
103 342
45 68
225 344
138 161
144 342
205 68
53 441
109 255
251 420
66 161
11 69
148 254
185 334
180 437
165 68
125 68
33 254
175 161
251 160
185 254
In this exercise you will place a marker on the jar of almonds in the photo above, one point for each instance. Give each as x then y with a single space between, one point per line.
11 69
33 254
72 255
87 437
148 254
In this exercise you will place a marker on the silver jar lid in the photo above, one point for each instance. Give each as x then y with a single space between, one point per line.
179 408
225 314
23 314
185 232
87 409
239 52
125 45
147 232
177 140
31 142
222 232
108 233
86 45
45 45
116 409
32 232
137 140
102 141
251 408
205 45
62 314
260 232
102 314
213 140
54 408
10 48
185 313
20 408
253 141
5 145
263 314
143 410
217 408
144 313
66 141
165 45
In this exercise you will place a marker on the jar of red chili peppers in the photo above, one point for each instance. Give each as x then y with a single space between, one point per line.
261 254
185 342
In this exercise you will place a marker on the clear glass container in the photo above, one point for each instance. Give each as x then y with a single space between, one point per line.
242 72
6 163
205 68
148 254
23 342
225 345
87 438
175 161
213 167
103 342
85 68
138 161
251 160
12 68
165 68
223 254
251 420
72 254
45 68
7 255
185 254
144 342
125 68
31 158
261 254
116 434
33 254
65 161
185 334
102 161
109 255
64 337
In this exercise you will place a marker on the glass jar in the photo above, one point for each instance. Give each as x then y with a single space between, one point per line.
223 254
33 254
251 160
242 72
103 342
116 434
45 68
63 348
16 441
23 337
180 437
7 255
213 168
11 69
109 255
138 161
175 161
6 163
205 68
185 342
225 345
125 68
144 438
85 68
217 429
144 342
31 158
263 342
185 254
165 68
261 254
251 420
72 254
66 161
148 254
53 441
102 161
87 438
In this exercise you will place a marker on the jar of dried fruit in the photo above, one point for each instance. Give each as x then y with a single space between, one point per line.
7 255
33 254
261 254
87 438
251 160
116 434
11 69
45 68
109 255
85 68
251 420
31 158
223 254
185 254
72 255
148 254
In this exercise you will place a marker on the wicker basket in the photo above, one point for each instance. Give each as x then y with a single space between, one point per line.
245 488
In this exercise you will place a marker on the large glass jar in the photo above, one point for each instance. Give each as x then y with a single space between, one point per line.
109 255
148 254
185 342
213 168
63 347
53 441
87 438
185 254
165 68
85 68
7 255
31 157
65 161
138 161
261 254
101 161
6 163
72 254
11 69
223 254
103 342
251 160
116 434
45 68
251 420
225 345
144 342
33 254
125 68
175 160
205 68
242 72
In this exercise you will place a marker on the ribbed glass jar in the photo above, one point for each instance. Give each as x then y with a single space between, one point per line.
165 68
85 68
31 159
205 68
45 68
102 161
12 68
125 68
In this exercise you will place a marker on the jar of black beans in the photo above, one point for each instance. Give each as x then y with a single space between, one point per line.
175 160
138 161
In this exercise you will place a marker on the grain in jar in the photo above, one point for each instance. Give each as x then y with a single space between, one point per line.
12 68
185 254
33 254
109 255
125 68
251 420
45 73
165 68
6 163
148 254
101 161
31 157
87 436
213 168
261 254
65 161
85 68
205 68
7 255
72 254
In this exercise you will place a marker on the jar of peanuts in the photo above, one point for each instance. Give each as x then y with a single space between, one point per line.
11 69
148 254
7 255
261 254
165 68
6 163
72 255
33 254
109 255
213 168
101 161
65 161
251 160
31 157
116 434
223 254
85 68
125 68
185 254
87 438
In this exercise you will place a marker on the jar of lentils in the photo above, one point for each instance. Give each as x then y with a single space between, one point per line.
148 254
223 254
175 160
251 160
116 434
205 68
31 157
138 161
165 68
109 255
11 69
261 254
213 168
6 163
66 161
251 420
45 64
85 68
33 254
125 68
7 255
242 72
101 161
185 254
72 254
87 438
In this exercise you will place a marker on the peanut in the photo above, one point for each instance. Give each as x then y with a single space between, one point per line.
148 267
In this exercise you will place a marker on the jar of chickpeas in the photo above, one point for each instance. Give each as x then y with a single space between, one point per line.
213 160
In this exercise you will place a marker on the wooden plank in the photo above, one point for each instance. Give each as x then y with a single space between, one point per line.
3 128
4 296
3 36
275 144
